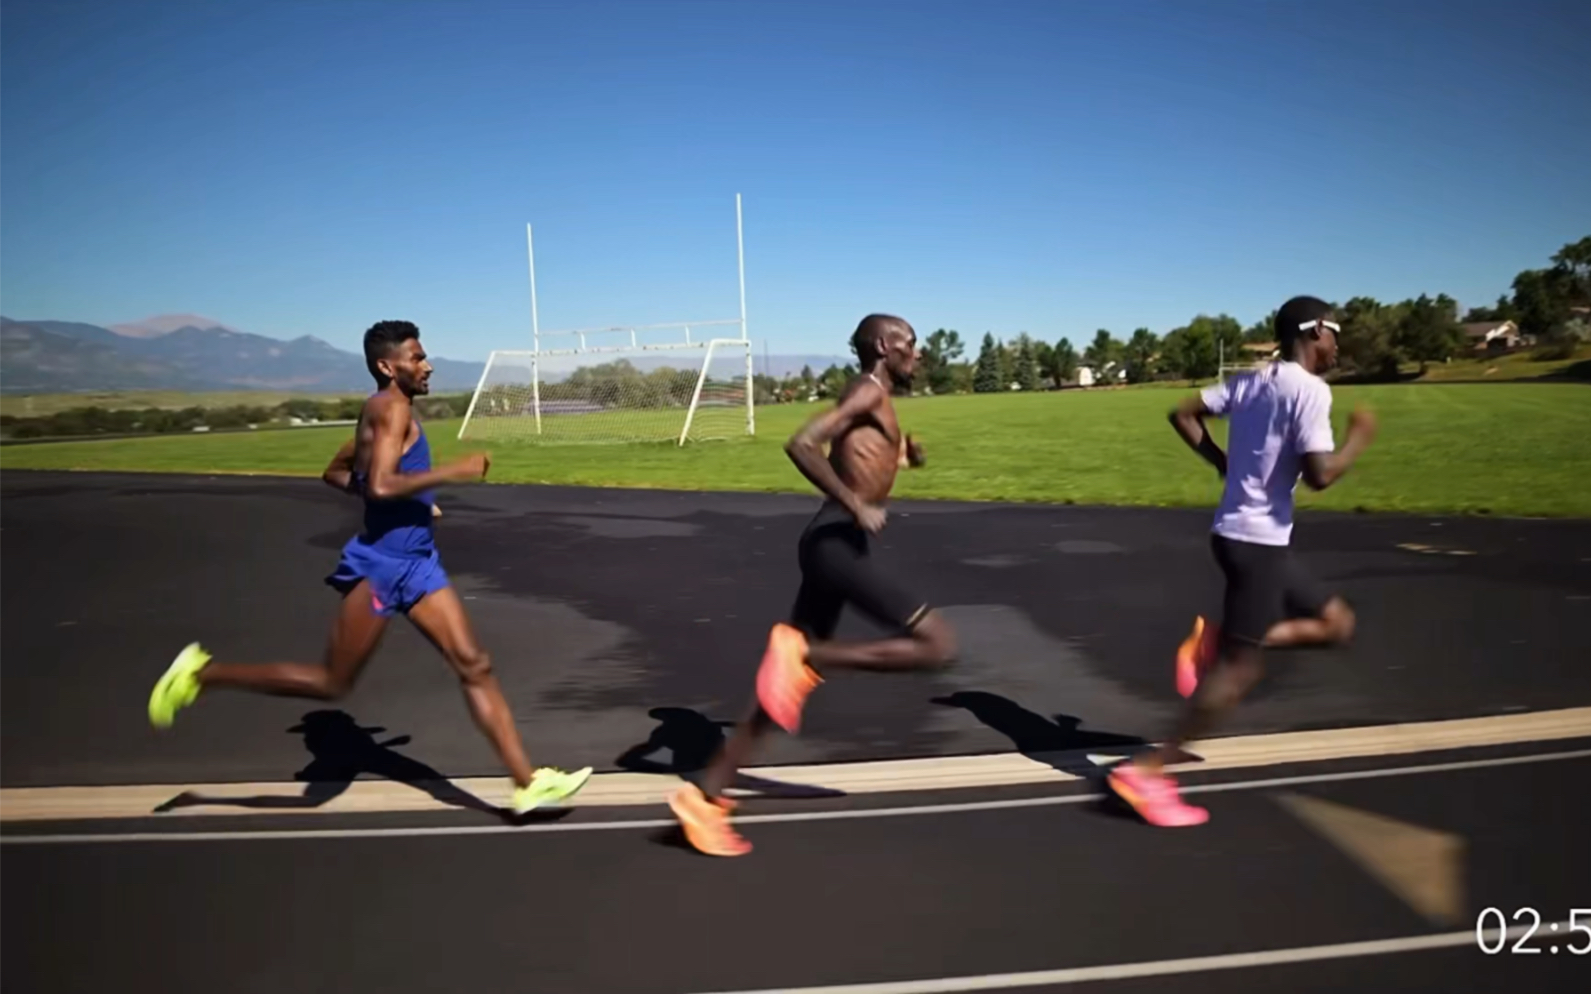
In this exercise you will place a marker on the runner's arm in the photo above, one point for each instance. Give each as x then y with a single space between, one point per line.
1188 419
339 473
805 447
389 427
1322 469
912 454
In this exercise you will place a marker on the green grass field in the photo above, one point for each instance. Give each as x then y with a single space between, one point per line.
1494 369
1508 449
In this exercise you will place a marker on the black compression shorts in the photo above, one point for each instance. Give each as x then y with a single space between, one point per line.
1264 584
837 568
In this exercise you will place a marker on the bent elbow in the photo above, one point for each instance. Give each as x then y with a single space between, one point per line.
1319 471
1186 422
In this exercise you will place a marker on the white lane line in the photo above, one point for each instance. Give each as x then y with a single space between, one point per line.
1160 968
789 816
879 776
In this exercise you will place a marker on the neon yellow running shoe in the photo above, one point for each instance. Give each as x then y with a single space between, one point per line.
178 687
549 786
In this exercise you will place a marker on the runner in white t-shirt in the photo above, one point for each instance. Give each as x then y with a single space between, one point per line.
1280 429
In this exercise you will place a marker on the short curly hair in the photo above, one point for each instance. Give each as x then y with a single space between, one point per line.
382 339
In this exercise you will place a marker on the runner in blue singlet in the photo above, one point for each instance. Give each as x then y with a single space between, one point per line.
391 567
396 553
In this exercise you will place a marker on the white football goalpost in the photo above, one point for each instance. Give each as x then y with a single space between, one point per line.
1244 362
677 382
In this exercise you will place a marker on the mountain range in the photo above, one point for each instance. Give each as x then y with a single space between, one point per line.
184 352
190 352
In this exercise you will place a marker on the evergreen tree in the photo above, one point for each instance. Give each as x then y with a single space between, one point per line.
986 375
1026 373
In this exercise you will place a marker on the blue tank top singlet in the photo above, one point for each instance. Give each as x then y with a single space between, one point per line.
401 527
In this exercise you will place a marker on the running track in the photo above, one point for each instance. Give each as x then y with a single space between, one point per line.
624 625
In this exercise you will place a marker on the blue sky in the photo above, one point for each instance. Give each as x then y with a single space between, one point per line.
1053 167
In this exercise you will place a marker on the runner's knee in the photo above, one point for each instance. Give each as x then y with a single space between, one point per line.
473 666
1340 619
938 640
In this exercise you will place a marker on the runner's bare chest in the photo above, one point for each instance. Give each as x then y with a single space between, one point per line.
868 456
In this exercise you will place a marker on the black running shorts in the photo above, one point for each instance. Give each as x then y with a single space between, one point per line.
1264 584
838 569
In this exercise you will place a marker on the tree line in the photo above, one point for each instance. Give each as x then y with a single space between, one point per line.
80 422
1550 306
615 385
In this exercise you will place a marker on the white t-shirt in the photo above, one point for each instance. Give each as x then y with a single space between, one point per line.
1276 415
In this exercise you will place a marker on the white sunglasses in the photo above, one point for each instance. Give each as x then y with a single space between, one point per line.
1332 326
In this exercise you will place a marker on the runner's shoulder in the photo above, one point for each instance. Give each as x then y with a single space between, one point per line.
386 407
864 388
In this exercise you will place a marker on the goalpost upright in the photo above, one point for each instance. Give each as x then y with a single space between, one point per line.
491 403
535 329
740 264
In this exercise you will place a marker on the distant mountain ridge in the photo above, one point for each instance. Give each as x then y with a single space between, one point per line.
190 352
780 366
165 324
163 353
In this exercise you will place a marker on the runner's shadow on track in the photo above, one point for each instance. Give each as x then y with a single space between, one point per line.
343 751
692 739
1060 743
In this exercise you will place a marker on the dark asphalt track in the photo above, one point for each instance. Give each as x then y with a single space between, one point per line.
819 903
602 607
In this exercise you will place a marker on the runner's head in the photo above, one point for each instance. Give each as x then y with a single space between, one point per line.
1306 333
883 340
394 355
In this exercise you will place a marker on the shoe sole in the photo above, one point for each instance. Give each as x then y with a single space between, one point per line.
178 667
585 777
688 825
1133 800
778 680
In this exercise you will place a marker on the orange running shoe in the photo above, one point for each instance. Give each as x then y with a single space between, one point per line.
706 822
1196 655
784 680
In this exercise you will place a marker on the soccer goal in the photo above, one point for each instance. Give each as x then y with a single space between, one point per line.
676 382
1245 360
1226 370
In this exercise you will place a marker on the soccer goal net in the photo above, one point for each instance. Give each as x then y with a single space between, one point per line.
681 382
687 392
1229 369
1244 360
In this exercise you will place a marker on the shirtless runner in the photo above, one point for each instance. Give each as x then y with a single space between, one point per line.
866 449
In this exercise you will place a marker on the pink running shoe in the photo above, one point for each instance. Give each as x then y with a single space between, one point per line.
1154 797
1196 655
784 680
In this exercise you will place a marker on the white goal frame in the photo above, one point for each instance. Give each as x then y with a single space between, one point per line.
629 342
1245 365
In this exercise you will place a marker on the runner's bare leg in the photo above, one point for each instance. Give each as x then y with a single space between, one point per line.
441 618
354 637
